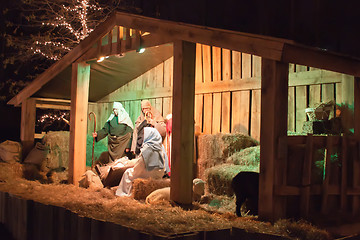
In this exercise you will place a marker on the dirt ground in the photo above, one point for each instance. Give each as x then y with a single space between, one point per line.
162 218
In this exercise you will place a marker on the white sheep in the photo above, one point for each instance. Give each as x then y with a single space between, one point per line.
164 193
90 180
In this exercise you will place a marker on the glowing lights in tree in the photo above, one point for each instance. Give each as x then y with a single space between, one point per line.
52 117
53 120
57 26
74 19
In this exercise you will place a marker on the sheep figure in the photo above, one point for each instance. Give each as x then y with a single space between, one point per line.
164 193
246 189
90 180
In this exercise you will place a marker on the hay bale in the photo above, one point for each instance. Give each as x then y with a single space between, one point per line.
58 143
143 187
219 178
249 157
10 171
10 151
215 149
232 143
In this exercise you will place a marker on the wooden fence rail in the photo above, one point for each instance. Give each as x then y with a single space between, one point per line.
27 219
322 171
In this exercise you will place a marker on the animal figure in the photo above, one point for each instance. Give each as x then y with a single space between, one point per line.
90 180
164 193
246 189
198 189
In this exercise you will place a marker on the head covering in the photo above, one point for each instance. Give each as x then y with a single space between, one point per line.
152 150
123 116
145 104
155 114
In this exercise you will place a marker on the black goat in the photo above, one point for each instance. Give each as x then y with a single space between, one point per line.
246 189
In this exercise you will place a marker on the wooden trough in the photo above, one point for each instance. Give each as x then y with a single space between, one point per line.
27 219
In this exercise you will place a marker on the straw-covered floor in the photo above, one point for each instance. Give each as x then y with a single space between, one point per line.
162 218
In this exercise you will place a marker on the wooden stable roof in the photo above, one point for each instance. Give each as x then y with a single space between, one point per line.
115 72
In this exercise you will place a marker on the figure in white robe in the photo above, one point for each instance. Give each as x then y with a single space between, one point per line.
150 163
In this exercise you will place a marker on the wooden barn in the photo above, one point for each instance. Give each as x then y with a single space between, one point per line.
213 80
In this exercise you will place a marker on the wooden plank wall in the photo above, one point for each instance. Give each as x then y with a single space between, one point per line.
102 112
227 94
319 86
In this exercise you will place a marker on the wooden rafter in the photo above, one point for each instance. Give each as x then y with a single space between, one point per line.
162 31
63 63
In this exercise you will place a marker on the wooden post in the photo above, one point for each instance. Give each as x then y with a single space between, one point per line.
344 174
78 120
326 181
347 99
274 100
357 108
306 177
183 122
27 132
356 160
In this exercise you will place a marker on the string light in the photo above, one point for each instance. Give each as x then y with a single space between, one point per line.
53 117
79 28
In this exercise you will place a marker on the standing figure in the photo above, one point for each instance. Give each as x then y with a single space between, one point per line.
150 162
118 128
153 118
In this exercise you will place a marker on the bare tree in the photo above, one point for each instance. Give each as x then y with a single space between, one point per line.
39 32
51 28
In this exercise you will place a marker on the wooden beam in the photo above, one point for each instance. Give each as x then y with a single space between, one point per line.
53 100
269 47
295 79
314 77
110 35
274 99
320 59
119 37
147 41
128 44
182 154
27 128
306 177
52 106
344 174
357 108
327 172
78 121
264 46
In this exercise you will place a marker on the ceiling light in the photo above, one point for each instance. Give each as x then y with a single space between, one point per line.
100 59
141 50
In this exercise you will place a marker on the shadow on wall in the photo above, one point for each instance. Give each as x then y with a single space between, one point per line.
239 128
10 123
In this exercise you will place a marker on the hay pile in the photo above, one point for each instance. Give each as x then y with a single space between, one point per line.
162 219
58 144
248 158
219 177
143 187
215 149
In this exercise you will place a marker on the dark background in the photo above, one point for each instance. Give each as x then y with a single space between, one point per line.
327 24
